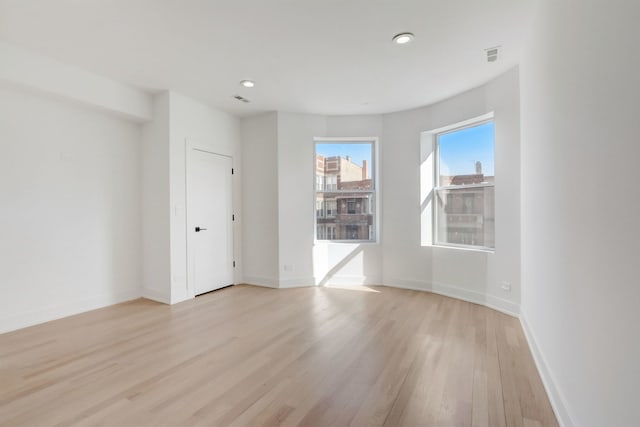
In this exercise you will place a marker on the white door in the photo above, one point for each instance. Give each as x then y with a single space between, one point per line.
209 221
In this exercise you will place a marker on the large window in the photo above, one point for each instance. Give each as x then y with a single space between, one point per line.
345 190
464 213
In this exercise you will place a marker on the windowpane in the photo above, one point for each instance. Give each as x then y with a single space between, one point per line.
319 211
466 156
466 216
464 194
332 207
345 191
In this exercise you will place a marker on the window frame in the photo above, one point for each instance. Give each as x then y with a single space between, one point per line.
437 187
375 191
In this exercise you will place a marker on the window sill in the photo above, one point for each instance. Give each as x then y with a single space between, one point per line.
344 242
462 248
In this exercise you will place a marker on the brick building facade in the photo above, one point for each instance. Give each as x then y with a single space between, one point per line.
345 202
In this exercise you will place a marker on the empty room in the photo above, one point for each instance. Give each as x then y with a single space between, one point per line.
319 213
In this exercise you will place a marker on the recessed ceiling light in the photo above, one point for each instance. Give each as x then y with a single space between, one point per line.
248 83
403 38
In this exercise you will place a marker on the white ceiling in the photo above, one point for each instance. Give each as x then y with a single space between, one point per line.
317 56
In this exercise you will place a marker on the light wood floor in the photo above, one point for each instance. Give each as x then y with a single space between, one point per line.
255 356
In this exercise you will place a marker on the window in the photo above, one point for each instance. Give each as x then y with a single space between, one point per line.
352 232
345 202
331 232
331 208
464 213
351 206
332 183
319 208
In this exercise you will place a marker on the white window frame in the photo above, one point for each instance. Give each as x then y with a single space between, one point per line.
375 176
487 118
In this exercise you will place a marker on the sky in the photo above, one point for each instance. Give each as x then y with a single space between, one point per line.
357 151
460 150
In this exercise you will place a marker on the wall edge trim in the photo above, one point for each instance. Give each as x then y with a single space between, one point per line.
556 398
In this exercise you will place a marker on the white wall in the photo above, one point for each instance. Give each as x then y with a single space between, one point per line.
209 129
177 119
40 73
84 152
471 275
398 259
156 214
278 191
295 196
580 208
301 261
260 199
351 263
70 212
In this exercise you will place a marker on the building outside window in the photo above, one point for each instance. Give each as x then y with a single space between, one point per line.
331 208
332 183
345 203
464 208
319 209
351 206
331 232
352 232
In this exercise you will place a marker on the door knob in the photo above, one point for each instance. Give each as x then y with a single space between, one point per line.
198 229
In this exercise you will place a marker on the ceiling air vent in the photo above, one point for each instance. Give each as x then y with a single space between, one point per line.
492 54
241 98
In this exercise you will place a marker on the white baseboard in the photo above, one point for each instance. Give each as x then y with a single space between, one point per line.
556 398
493 302
414 285
157 296
352 280
296 282
303 282
266 282
34 317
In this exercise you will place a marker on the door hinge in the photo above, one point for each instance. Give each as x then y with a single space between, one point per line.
232 171
233 217
234 264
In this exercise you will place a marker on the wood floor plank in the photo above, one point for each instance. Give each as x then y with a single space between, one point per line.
256 356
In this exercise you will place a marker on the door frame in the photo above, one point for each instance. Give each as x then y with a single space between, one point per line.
191 146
